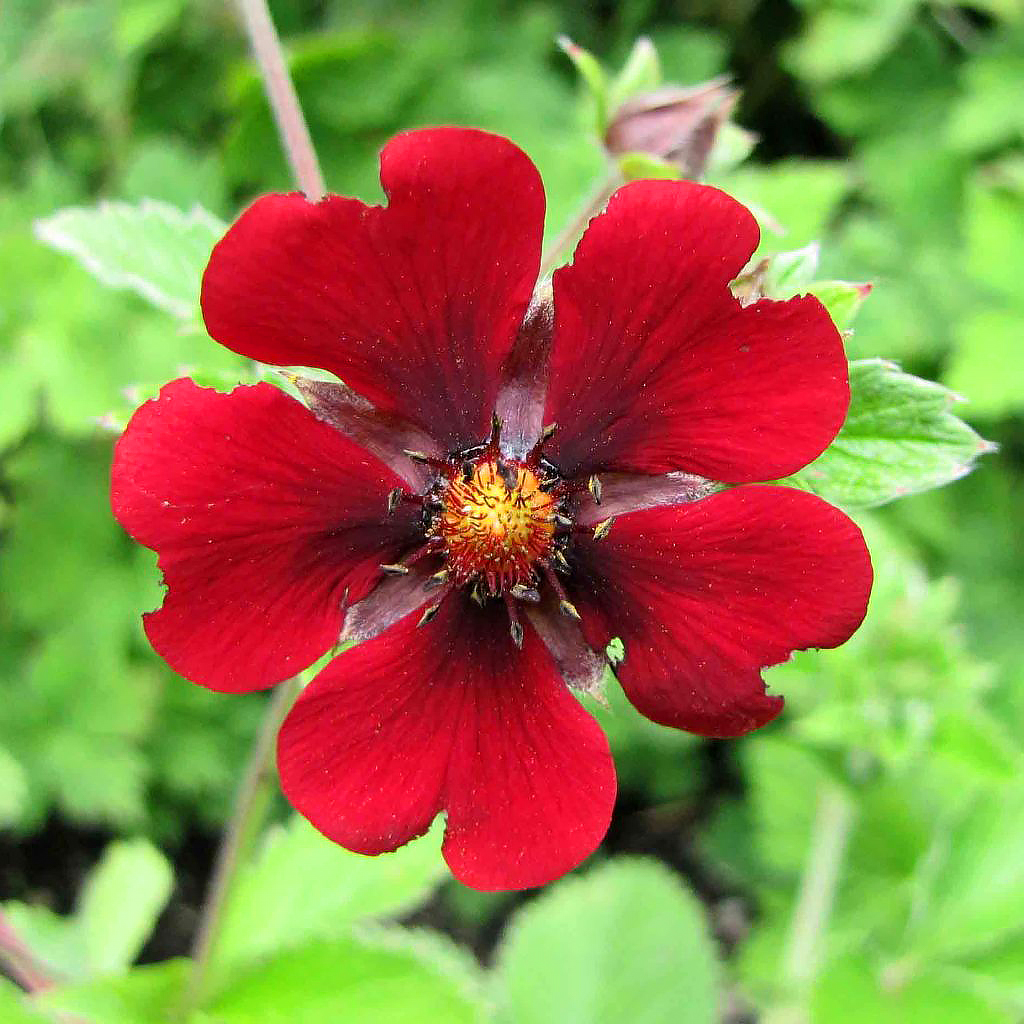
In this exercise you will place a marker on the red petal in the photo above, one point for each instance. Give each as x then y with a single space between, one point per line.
656 367
450 716
264 519
414 305
707 594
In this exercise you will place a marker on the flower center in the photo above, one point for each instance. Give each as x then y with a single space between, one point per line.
501 526
496 522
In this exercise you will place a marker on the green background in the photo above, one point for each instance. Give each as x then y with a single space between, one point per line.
892 131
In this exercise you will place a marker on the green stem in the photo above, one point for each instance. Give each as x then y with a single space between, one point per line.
254 789
571 233
833 822
250 805
280 90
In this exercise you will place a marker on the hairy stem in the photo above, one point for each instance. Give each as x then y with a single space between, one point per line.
246 815
571 233
833 821
280 90
254 788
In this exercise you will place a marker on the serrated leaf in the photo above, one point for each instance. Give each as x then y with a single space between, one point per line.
625 942
350 980
900 437
121 901
151 248
302 886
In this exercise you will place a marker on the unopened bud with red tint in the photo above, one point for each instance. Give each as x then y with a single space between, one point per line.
674 124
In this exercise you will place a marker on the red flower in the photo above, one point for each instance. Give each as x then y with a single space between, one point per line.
487 589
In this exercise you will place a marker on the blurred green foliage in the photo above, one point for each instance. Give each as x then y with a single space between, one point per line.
892 132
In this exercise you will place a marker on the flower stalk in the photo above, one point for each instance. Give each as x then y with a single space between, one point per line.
833 822
284 102
246 816
572 232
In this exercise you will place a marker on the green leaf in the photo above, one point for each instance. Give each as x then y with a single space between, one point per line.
150 248
145 995
994 228
855 990
977 897
15 1007
593 74
55 940
842 299
348 981
644 166
844 38
899 438
302 886
792 272
121 901
990 112
989 339
640 73
13 789
624 944
793 199
116 911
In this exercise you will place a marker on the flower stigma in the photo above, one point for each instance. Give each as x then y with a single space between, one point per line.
497 523
501 525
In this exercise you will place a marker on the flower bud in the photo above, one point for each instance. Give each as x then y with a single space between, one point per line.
674 124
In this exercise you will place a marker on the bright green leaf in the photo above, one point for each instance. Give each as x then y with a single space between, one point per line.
791 272
590 70
990 112
977 897
347 981
899 438
302 886
15 1007
842 299
624 943
13 789
55 940
793 199
645 166
121 901
640 73
855 990
987 365
145 995
150 248
844 38
995 227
